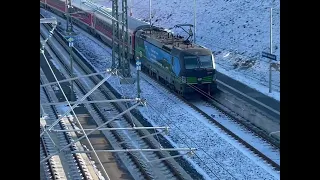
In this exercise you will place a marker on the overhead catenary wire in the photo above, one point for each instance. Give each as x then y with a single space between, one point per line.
75 105
145 57
122 91
74 78
168 124
198 147
131 117
216 46
235 51
69 105
64 95
207 95
82 137
210 169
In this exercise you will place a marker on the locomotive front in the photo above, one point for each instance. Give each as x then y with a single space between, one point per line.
198 71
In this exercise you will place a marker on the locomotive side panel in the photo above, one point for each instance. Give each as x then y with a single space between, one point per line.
159 63
82 16
104 26
57 4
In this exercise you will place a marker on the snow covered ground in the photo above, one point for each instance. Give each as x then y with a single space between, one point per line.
237 31
211 156
217 157
240 131
211 142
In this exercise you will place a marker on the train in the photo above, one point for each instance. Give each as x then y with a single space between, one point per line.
183 66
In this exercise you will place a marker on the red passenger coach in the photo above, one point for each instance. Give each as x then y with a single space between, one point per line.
58 4
83 16
103 27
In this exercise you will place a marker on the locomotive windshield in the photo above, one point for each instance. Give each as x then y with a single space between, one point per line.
194 62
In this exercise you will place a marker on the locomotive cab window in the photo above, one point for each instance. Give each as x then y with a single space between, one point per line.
205 62
193 62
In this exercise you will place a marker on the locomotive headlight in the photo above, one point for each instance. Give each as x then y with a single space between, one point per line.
183 79
213 63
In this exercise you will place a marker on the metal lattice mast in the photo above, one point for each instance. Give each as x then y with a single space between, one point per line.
115 33
69 20
69 35
125 41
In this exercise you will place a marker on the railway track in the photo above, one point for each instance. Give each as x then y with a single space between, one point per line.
224 110
62 166
137 163
232 134
47 166
215 103
212 120
255 132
